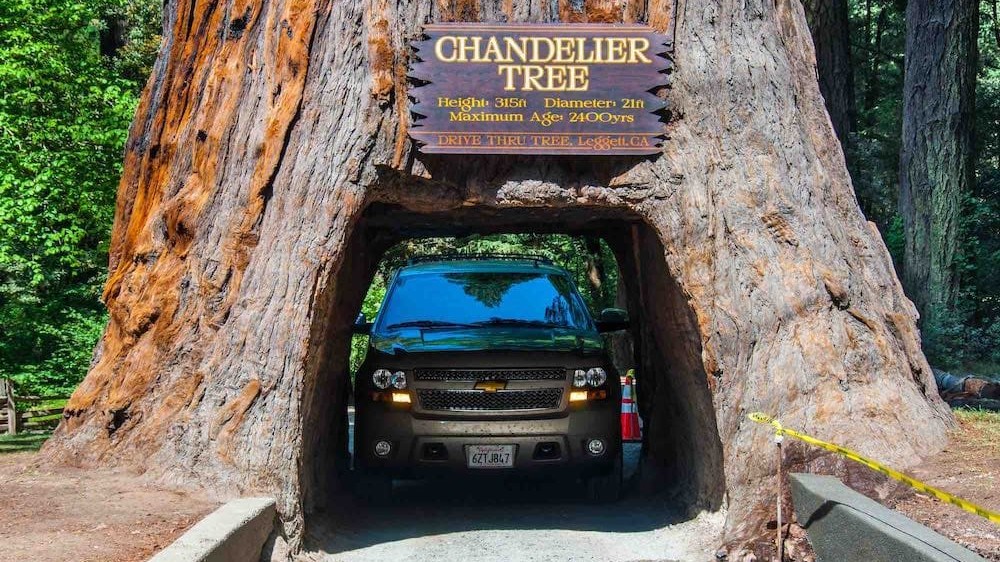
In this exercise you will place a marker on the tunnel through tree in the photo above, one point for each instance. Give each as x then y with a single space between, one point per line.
239 258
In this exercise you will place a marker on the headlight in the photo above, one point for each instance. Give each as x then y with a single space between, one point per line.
398 380
381 378
596 377
580 378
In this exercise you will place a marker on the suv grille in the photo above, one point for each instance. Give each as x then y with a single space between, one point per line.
545 374
477 400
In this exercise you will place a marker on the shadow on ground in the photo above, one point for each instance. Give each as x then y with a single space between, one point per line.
502 519
23 442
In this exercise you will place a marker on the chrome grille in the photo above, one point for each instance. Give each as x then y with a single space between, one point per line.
478 400
543 374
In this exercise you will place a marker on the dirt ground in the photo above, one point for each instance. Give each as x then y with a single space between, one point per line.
970 469
66 514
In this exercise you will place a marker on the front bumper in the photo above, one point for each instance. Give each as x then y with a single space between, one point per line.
428 447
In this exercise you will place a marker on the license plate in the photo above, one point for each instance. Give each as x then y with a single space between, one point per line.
490 456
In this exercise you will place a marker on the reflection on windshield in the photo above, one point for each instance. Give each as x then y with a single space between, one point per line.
488 288
475 299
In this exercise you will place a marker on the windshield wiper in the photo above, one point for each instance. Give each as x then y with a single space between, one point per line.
518 322
429 324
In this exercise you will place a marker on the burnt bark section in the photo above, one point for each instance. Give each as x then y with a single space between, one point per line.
936 160
271 133
829 26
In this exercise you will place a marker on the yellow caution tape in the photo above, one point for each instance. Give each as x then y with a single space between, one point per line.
878 467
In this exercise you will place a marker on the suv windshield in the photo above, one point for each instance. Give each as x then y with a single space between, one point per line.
482 299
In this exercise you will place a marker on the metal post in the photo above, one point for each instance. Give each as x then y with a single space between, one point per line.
778 438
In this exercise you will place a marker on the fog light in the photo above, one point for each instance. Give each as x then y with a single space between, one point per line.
381 378
398 380
595 447
578 396
383 448
596 377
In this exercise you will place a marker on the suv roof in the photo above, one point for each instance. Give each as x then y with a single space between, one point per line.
435 264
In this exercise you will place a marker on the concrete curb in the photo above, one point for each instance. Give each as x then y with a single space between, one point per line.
845 525
235 532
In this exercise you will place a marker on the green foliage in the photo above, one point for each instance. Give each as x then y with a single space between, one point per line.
981 215
570 252
877 43
66 106
23 442
967 337
64 117
894 238
985 426
954 341
142 23
373 298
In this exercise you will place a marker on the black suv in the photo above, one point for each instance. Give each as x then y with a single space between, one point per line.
487 365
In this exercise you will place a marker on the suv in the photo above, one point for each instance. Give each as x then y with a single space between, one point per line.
487 365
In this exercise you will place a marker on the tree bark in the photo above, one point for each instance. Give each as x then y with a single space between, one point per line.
269 167
829 25
873 42
936 160
596 275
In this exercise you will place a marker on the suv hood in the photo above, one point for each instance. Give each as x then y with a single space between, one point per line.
490 338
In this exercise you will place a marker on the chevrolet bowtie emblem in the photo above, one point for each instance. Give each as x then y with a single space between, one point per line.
491 386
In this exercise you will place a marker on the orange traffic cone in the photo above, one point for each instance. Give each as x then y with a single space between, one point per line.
630 415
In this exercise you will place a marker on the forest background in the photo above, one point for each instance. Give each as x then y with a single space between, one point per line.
71 73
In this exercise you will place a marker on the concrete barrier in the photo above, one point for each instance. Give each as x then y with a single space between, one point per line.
845 525
235 532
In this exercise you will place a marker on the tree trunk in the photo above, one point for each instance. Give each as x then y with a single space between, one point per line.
269 168
936 160
873 42
830 30
596 275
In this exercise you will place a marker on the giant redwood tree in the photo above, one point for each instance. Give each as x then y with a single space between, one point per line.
269 166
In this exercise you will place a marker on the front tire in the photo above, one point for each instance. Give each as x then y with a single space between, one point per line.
607 488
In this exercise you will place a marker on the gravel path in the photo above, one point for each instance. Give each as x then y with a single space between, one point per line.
516 521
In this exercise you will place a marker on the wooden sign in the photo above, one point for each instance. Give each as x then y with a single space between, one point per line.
539 89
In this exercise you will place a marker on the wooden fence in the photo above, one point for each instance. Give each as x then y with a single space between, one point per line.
35 415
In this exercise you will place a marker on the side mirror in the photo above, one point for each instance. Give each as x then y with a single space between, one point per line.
612 320
361 325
